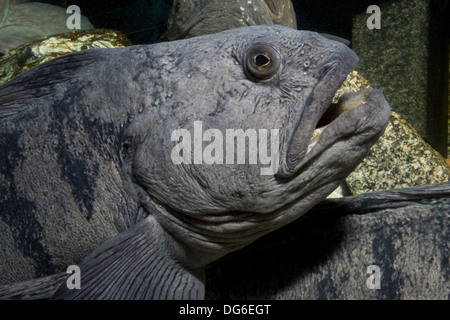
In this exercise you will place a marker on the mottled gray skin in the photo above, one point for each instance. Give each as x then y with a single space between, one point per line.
405 232
191 18
87 145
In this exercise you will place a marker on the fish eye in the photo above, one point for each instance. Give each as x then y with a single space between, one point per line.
262 61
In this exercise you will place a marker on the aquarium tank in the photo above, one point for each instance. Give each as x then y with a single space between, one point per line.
404 51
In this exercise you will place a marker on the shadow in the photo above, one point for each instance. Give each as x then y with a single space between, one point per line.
272 262
325 253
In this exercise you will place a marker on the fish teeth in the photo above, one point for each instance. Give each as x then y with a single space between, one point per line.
314 138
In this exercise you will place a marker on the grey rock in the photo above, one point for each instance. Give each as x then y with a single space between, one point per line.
399 159
191 18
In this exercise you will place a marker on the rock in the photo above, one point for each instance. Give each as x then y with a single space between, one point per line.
400 158
25 22
190 18
26 56
406 59
4 9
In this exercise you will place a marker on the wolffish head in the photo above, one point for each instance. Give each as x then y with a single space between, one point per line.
221 109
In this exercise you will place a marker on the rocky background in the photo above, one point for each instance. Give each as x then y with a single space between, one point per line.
408 59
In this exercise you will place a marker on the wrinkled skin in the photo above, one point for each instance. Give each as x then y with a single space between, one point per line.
325 254
247 203
111 165
191 18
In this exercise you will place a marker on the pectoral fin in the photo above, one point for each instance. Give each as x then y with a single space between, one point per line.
136 264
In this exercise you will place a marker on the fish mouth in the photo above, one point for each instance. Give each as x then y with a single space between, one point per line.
346 102
330 117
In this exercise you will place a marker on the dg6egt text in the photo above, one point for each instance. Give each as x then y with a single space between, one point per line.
244 309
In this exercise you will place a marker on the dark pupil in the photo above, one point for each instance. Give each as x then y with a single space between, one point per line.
261 60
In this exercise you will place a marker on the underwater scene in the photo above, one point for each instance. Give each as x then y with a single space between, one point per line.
189 149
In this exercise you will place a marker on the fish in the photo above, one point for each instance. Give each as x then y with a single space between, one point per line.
99 169
346 241
191 18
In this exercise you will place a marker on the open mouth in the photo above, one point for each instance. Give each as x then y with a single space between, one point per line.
343 101
334 116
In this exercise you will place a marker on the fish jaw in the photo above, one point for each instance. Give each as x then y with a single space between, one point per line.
216 209
315 106
362 115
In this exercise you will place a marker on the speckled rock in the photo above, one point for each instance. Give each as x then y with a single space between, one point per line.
395 56
31 54
400 158
448 99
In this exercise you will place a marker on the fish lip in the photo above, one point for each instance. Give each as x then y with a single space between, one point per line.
320 99
367 119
